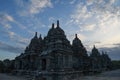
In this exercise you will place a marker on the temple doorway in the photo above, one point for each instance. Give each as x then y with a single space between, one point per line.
43 64
43 78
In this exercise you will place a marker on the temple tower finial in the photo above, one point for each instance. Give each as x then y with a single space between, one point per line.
57 23
35 34
93 46
40 36
75 35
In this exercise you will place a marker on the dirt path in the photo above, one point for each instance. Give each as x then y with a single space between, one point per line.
109 75
115 73
9 77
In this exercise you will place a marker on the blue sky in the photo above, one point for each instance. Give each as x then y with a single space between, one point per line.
97 22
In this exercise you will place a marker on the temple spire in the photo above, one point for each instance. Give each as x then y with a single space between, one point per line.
53 25
40 37
57 23
35 35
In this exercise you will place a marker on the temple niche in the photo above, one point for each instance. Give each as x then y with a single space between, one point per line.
54 55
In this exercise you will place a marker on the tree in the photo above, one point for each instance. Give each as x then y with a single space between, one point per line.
1 67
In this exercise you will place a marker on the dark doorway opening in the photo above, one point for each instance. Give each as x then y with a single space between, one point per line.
43 64
44 78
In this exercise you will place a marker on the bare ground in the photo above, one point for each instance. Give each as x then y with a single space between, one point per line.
108 75
10 77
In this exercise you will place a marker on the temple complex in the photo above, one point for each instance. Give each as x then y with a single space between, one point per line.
53 56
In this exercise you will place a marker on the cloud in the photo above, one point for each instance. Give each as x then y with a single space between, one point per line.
32 7
81 14
6 26
113 52
38 5
87 27
118 44
18 39
52 19
29 25
9 18
14 37
5 19
9 48
98 20
72 1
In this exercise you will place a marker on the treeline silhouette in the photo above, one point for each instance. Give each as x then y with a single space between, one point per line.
6 66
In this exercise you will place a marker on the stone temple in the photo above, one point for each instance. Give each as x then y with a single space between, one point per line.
54 58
